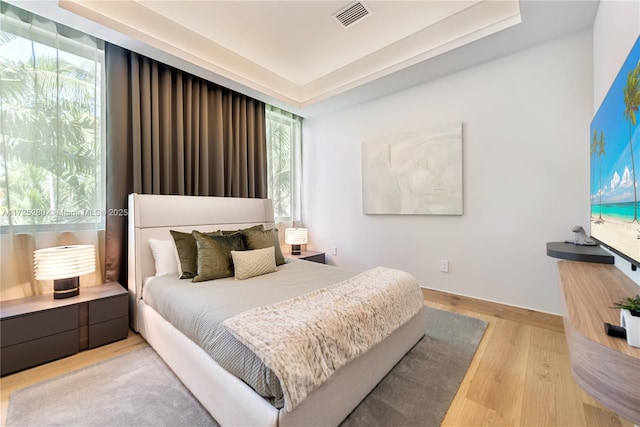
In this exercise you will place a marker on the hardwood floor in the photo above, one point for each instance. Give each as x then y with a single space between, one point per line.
520 375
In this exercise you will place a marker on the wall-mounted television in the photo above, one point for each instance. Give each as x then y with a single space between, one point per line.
615 163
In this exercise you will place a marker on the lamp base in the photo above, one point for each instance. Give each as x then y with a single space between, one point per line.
295 250
66 288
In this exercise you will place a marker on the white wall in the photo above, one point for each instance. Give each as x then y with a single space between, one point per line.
526 171
615 30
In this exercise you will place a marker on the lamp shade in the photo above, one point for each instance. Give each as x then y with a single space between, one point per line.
62 262
295 236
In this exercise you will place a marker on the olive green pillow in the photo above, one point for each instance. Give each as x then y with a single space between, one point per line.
258 227
188 252
214 255
264 239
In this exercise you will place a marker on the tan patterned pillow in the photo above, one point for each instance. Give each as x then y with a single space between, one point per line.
253 263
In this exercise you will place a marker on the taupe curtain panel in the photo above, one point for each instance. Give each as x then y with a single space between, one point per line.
169 132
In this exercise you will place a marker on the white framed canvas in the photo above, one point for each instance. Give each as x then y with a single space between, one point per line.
414 174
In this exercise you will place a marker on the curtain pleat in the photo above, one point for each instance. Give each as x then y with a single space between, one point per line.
186 136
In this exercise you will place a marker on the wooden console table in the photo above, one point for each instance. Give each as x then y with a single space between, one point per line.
606 367
39 329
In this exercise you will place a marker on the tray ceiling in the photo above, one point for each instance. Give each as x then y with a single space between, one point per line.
296 50
298 56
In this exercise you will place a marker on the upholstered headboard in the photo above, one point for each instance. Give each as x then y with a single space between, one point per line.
152 216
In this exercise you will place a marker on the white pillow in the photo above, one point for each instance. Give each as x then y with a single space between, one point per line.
164 255
253 263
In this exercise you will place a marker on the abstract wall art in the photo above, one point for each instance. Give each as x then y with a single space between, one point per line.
414 174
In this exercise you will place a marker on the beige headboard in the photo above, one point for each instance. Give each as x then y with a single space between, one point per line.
151 216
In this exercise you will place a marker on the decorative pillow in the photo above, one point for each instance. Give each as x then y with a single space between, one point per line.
258 227
164 256
264 239
214 255
188 252
253 263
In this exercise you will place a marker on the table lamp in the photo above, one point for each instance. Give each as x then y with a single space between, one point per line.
295 237
64 265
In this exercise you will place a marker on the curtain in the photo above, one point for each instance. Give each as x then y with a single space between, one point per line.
52 146
170 132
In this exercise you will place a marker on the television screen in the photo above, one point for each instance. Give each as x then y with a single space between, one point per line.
615 163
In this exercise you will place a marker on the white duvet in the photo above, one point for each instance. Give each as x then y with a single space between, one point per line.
304 340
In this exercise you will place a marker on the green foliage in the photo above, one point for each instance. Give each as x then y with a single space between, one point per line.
50 137
629 303
597 149
631 94
279 157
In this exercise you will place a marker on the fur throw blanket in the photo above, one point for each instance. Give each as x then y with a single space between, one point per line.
304 340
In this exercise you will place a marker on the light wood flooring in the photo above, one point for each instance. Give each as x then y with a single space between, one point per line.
520 375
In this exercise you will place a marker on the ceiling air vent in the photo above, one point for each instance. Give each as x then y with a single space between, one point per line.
351 14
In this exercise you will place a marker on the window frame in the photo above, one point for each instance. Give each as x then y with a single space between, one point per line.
294 124
27 26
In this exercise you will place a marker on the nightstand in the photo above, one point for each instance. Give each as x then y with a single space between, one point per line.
309 256
39 329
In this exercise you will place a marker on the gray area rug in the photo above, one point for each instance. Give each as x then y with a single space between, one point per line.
138 389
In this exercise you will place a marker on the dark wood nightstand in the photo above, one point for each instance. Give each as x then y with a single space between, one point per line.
309 256
39 329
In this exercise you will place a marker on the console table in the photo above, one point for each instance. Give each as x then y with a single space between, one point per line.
39 329
565 250
309 256
606 367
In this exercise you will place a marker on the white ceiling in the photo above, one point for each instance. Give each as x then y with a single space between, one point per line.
300 41
294 54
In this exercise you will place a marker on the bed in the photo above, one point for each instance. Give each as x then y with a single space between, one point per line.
230 400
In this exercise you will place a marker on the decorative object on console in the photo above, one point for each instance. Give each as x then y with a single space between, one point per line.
295 237
581 238
630 318
631 324
64 265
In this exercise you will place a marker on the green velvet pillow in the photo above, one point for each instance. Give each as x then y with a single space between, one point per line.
214 255
188 252
264 239
258 227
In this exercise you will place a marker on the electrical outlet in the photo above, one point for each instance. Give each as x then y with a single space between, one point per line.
444 265
334 250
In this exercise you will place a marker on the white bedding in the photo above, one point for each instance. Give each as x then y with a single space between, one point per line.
305 340
228 399
214 301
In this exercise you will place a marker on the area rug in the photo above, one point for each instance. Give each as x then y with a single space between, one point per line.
138 389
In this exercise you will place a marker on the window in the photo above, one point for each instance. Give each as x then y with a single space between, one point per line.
52 143
284 159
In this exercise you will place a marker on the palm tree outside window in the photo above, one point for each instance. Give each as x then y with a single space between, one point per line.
284 160
52 168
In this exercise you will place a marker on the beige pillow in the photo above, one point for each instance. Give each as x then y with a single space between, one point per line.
253 263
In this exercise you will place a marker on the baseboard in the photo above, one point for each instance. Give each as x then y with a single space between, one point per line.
527 316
